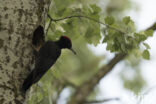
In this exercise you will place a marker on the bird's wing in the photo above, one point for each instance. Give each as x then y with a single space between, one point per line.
48 55
42 68
37 73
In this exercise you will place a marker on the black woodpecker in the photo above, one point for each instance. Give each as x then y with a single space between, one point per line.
47 56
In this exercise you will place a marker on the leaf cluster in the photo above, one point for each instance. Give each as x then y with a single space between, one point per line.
121 36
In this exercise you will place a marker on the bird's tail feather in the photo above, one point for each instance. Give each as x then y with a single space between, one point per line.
27 82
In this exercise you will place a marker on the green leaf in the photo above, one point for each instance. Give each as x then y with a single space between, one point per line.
140 37
146 54
131 26
147 46
95 8
149 32
109 20
89 33
106 38
126 19
92 35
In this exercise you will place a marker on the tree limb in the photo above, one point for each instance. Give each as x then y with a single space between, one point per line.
153 27
86 88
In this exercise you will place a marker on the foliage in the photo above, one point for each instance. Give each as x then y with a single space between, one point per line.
122 36
119 35
135 83
131 75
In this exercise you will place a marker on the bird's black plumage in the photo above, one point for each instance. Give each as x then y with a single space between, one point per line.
38 36
47 56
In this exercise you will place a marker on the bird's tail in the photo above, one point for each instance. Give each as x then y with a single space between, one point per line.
27 82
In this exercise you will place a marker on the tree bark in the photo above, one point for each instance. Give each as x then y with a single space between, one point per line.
18 19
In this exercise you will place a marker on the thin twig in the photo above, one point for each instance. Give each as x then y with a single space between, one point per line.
42 91
80 16
101 101
149 90
48 27
46 30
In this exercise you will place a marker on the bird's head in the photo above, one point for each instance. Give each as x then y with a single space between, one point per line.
65 42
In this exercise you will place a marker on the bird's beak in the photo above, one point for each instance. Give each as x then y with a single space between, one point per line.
73 51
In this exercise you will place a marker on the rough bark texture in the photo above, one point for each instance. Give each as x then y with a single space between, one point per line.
18 19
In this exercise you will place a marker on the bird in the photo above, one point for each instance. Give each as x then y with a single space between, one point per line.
47 56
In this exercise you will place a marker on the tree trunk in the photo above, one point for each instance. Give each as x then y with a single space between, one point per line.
18 19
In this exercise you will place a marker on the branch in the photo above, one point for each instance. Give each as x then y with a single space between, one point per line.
153 27
55 100
48 26
86 88
86 17
149 90
68 83
101 101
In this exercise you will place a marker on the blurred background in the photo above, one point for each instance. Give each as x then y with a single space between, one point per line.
132 81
